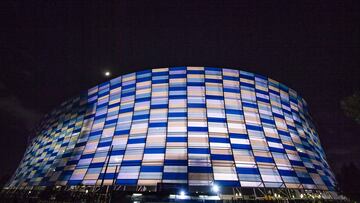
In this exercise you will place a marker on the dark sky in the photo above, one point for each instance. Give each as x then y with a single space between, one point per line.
51 51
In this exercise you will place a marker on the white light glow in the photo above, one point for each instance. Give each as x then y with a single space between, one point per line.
215 188
137 194
107 73
182 193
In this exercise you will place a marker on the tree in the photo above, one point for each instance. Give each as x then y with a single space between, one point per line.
351 106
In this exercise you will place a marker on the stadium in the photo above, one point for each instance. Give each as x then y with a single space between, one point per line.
182 132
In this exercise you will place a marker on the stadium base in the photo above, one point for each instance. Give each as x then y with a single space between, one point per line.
166 193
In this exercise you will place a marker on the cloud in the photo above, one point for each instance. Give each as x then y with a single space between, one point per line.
14 107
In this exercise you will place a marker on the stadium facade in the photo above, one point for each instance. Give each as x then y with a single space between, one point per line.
180 127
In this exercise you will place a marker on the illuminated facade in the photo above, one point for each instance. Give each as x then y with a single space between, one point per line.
196 126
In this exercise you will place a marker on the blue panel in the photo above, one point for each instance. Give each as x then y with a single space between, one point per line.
87 156
196 105
177 96
296 163
96 165
195 84
78 144
74 182
128 86
247 84
195 72
117 152
159 106
250 105
175 176
213 80
160 73
231 90
219 140
136 141
214 97
252 127
261 91
140 117
247 170
226 183
109 122
154 150
264 159
104 144
264 120
156 125
143 79
160 81
306 180
138 100
126 94
131 163
222 157
177 76
287 173
122 132
176 139
72 162
178 114
198 151
213 69
176 162
218 120
199 169
107 176
238 136
311 170
241 146
289 147
233 111
278 115
177 88
271 139
231 78
114 86
280 150
151 168
126 110
198 129
283 133
246 76
126 181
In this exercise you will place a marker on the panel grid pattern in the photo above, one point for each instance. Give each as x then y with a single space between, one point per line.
186 125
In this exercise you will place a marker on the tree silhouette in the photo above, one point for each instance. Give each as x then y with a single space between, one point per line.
351 106
349 181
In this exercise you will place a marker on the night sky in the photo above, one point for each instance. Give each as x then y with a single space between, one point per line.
51 51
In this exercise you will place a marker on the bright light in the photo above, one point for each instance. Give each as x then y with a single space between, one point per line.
182 193
215 188
107 73
137 194
86 191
